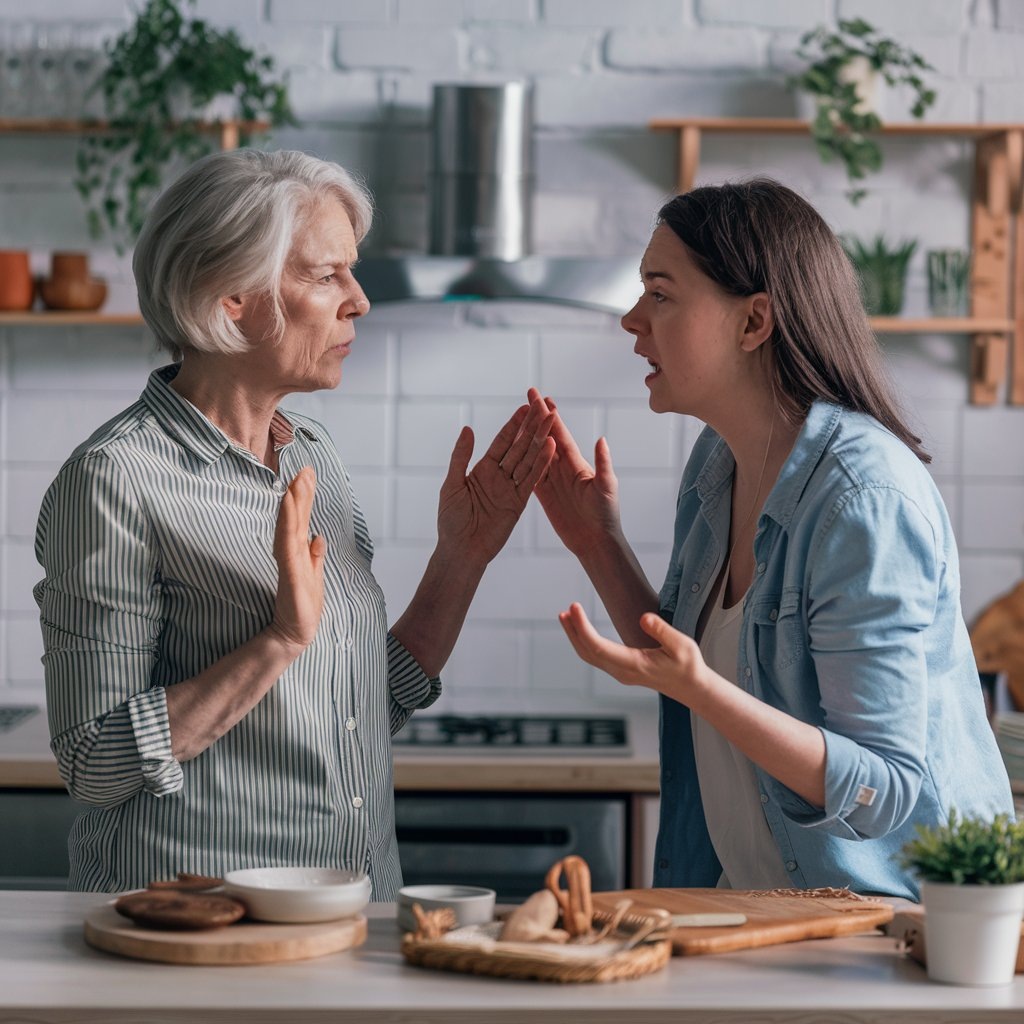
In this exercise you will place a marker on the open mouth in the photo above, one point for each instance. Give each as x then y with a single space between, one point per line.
655 370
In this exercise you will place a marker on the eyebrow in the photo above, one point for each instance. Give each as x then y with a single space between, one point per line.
329 264
654 275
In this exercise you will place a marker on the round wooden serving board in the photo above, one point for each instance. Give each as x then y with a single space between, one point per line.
248 942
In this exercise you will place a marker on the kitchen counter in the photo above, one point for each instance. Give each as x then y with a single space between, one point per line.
49 974
26 762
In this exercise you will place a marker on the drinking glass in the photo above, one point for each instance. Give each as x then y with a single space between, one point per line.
50 86
17 44
948 278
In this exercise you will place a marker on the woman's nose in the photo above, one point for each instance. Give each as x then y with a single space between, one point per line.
629 320
356 305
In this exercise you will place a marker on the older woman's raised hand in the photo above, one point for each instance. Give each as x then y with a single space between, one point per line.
477 511
581 501
300 565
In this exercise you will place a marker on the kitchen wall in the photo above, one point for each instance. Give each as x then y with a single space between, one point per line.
361 73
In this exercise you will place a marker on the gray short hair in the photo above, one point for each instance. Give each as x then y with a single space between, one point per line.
225 227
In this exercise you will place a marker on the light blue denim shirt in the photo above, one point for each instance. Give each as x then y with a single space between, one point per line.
852 624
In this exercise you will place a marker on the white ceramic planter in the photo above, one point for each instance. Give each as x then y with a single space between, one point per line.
870 86
971 932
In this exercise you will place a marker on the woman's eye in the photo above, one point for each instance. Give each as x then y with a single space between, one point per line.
657 296
327 277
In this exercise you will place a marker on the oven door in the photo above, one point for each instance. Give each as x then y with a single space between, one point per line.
508 841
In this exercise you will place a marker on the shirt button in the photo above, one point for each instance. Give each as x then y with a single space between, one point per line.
350 724
357 801
761 566
746 671
667 774
695 588
791 865
764 798
349 642
773 614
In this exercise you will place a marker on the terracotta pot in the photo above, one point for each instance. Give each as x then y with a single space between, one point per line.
17 290
70 286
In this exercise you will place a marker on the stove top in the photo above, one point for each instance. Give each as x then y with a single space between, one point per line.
515 734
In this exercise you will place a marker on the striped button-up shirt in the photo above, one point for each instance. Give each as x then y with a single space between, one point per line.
157 543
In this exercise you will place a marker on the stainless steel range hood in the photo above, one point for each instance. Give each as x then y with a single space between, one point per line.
607 284
479 190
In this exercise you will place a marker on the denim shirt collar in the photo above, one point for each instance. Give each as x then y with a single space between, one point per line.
818 427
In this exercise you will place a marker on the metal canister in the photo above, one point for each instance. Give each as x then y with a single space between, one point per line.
481 170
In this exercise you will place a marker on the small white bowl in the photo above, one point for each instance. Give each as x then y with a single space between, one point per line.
472 904
297 895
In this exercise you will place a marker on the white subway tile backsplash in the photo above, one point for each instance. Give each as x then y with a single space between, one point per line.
993 516
43 427
479 650
640 439
23 488
648 504
494 362
427 432
24 647
21 572
531 588
596 365
993 442
983 578
554 666
83 359
416 499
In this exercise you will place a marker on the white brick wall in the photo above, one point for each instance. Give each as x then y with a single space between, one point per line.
361 73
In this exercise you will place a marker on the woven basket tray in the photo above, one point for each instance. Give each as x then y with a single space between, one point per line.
479 953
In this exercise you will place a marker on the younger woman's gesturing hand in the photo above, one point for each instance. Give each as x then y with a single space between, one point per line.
581 501
674 667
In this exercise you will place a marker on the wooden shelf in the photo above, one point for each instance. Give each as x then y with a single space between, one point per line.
68 317
941 325
229 131
996 324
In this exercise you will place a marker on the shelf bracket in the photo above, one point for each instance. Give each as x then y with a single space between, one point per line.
990 270
689 156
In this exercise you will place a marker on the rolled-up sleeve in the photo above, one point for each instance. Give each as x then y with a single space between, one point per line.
873 589
409 686
100 613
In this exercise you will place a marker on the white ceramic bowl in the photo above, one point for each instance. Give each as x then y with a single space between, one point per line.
472 905
296 895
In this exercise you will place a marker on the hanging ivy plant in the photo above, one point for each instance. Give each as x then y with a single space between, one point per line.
162 76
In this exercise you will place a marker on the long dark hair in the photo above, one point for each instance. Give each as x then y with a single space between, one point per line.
759 236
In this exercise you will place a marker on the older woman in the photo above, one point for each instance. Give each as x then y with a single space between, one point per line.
222 689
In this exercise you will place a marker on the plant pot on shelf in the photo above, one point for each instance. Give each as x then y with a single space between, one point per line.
882 269
17 289
868 84
70 286
972 932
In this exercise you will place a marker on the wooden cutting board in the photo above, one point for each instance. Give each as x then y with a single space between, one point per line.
771 918
248 942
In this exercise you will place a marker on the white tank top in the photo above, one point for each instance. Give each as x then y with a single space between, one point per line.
728 783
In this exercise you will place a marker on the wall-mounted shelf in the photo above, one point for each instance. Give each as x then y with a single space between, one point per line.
44 318
229 131
996 323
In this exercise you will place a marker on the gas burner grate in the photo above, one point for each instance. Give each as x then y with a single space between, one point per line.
13 715
514 733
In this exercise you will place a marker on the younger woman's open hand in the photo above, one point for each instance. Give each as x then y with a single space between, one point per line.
675 667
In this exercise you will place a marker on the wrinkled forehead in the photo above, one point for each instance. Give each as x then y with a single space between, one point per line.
323 234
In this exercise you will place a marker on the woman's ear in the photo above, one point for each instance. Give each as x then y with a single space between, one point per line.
233 306
760 322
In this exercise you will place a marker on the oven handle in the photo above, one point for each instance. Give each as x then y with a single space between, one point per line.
477 835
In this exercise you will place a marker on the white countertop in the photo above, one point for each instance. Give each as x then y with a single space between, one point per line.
49 974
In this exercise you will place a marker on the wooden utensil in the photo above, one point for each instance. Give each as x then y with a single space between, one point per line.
575 901
243 943
771 916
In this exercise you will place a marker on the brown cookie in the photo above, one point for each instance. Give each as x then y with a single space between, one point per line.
186 882
179 911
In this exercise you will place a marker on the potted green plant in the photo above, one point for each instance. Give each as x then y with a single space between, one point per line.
972 887
882 269
841 79
166 78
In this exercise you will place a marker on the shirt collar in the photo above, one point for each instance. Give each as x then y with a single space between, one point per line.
818 427
183 421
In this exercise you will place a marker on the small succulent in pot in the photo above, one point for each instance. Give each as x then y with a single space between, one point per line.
842 70
882 269
968 851
166 77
